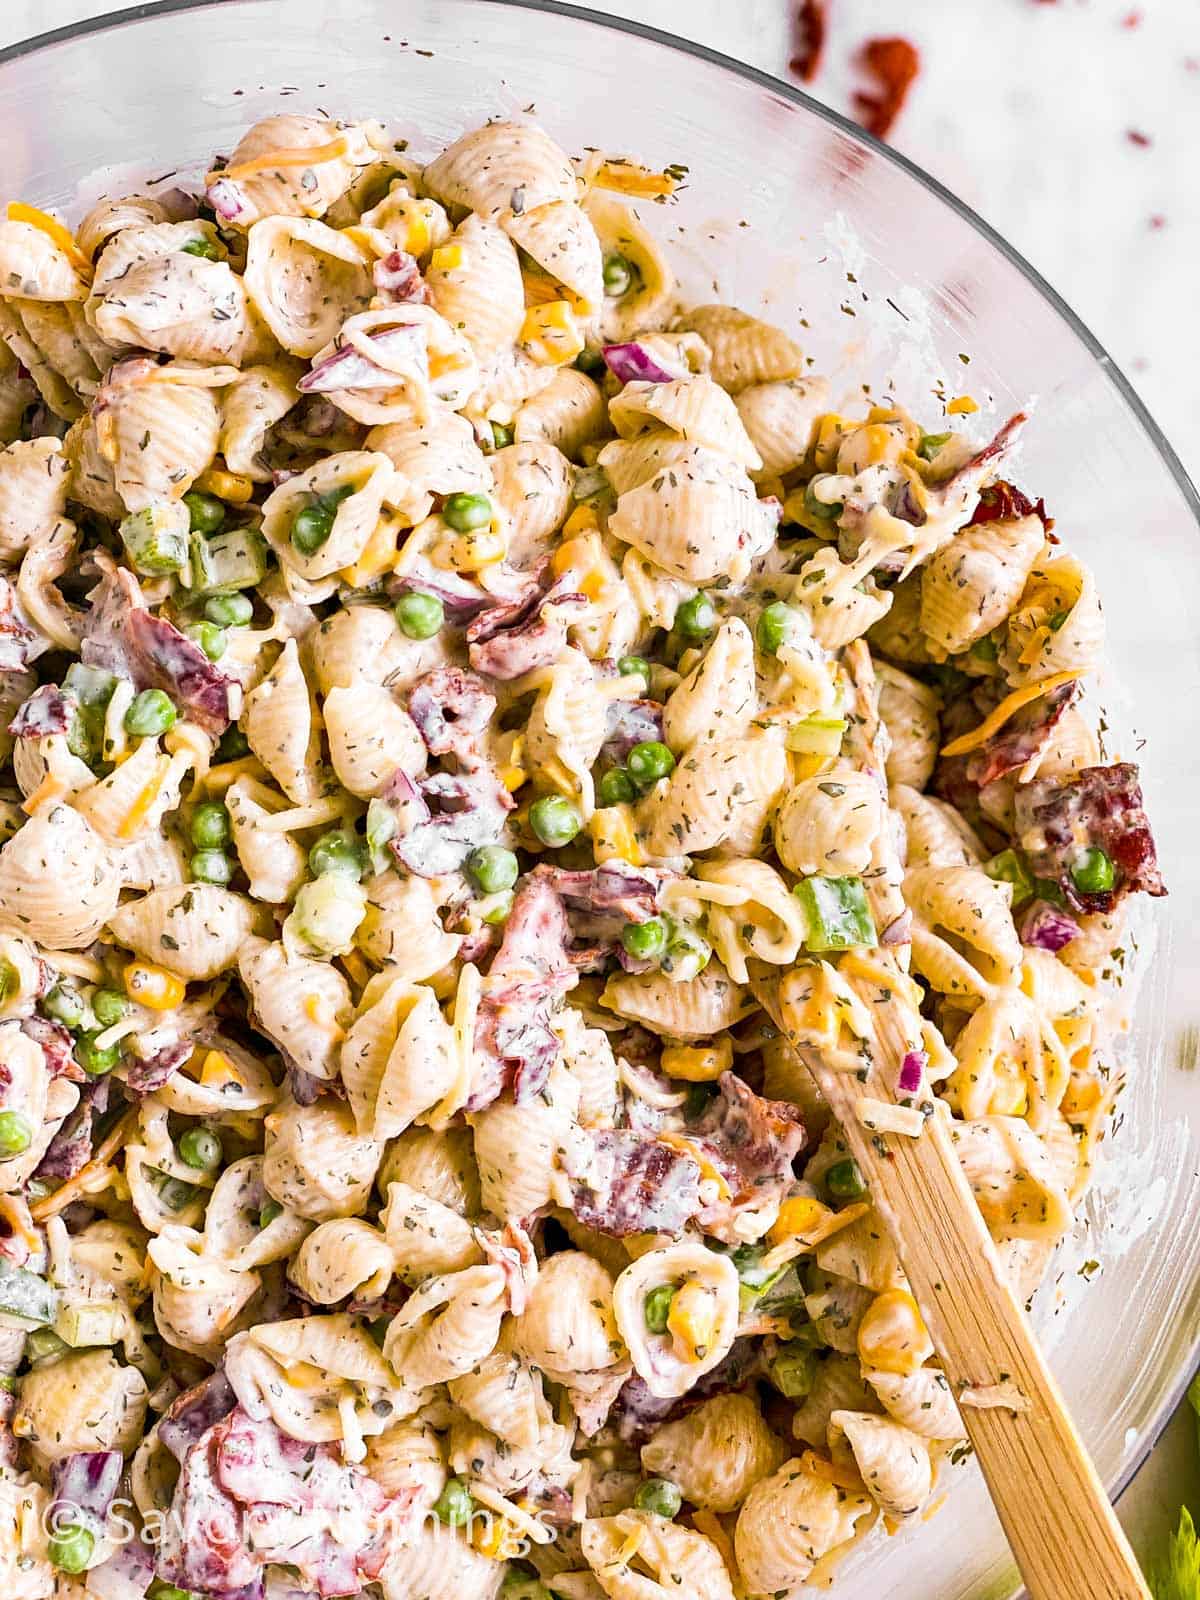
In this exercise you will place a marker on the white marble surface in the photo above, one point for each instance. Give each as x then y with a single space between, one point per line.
1024 110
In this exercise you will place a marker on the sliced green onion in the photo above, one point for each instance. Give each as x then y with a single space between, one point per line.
837 912
268 1211
91 686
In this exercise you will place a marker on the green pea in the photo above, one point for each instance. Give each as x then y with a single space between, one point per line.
1093 872
65 1005
201 1148
492 868
776 625
211 639
174 1193
634 667
467 512
502 435
206 513
150 713
615 787
338 851
554 821
645 941
696 618
202 247
229 610
619 274
16 1133
110 1007
697 1102
844 1181
656 1307
211 866
210 826
818 509
311 526
96 1062
268 1211
454 1505
590 361
70 1549
660 1496
499 909
233 744
648 762
419 616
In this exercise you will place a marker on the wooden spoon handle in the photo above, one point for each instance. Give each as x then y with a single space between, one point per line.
1059 1522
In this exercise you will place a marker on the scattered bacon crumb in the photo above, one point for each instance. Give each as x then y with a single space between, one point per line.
1132 19
1158 221
893 63
810 40
1191 63
1136 136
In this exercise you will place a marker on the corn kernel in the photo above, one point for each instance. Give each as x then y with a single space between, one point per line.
691 1320
626 177
892 1336
378 555
467 552
614 837
582 521
497 1538
232 486
962 406
153 987
698 1063
798 1217
448 258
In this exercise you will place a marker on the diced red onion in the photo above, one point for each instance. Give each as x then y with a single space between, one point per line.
350 368
1046 927
911 1069
225 198
899 930
633 363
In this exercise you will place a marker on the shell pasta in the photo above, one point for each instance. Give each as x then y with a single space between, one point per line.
443 670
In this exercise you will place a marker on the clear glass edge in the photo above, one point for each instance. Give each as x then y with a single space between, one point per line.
164 8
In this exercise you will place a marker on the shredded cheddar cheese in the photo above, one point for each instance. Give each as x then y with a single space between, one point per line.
995 720
300 155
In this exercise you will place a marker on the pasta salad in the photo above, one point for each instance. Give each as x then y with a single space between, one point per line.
443 673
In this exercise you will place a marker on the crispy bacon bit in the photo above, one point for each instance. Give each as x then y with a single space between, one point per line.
163 658
1057 819
811 26
461 810
637 1414
509 640
58 1046
1001 502
70 1150
451 709
1137 137
752 1142
894 64
194 1412
398 279
144 1077
624 1183
600 901
46 712
1026 734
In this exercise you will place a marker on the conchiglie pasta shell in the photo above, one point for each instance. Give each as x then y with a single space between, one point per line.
195 930
681 1560
315 1163
652 297
158 436
402 930
425 1236
780 419
34 267
568 413
532 483
744 350
342 1257
483 169
720 794
894 1462
370 739
301 1005
694 1009
274 863
437 1163
398 1060
33 492
829 824
517 1148
936 834
484 297
304 280
58 885
568 1324
439 456
504 1395
370 477
362 644
563 242
972 583
177 304
86 1401
281 726
717 1453
261 397
694 408
910 712
921 1401
294 187
789 1521
109 805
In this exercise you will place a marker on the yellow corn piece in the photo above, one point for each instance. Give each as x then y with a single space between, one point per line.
879 443
626 177
691 1320
448 258
235 487
582 521
614 837
830 431
54 230
798 1217
551 334
153 987
497 1538
1011 703
219 1069
698 1063
378 555
962 406
468 552
892 1336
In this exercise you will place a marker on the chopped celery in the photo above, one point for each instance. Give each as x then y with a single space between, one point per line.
793 1369
839 917
816 736
1008 867
156 539
88 1323
326 914
43 1344
91 686
381 826
26 1301
226 562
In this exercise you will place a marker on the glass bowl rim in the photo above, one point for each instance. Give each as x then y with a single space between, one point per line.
152 9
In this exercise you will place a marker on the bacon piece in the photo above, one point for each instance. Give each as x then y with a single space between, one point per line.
752 1142
601 900
163 658
398 279
192 1413
202 1546
1003 502
58 1046
463 810
70 1150
637 1414
1025 735
624 1183
47 711
451 709
1057 819
810 40
144 1077
894 64
509 640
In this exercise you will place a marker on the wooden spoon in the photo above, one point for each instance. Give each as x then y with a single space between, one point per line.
1058 1519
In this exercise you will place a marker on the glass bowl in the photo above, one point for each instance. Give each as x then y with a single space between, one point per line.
889 281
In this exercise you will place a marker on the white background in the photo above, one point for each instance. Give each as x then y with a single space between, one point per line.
1024 110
